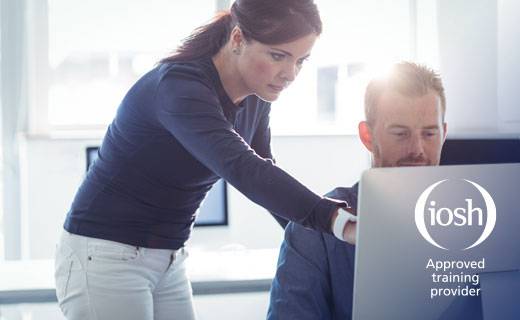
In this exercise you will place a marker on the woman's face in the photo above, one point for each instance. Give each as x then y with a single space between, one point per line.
268 69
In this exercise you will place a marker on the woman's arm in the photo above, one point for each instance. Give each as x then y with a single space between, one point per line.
192 114
261 143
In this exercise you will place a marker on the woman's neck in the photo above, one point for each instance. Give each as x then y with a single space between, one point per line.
225 62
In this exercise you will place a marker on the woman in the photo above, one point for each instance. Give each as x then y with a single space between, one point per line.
200 115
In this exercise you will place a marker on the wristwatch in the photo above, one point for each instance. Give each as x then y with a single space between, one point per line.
341 221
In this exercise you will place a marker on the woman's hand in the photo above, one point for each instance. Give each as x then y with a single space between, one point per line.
349 233
350 228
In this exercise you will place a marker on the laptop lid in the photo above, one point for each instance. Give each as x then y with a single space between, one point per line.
426 233
500 292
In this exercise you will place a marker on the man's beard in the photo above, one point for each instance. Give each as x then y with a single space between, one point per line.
409 160
412 160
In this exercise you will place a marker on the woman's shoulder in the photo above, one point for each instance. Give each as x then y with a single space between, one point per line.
196 71
186 79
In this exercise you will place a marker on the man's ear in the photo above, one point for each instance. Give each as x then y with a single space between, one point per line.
365 134
445 129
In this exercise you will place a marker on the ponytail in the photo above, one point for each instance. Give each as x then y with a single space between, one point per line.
266 21
205 41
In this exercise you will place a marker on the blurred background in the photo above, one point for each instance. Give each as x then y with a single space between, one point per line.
66 64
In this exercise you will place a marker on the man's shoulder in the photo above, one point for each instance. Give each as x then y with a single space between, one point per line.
296 231
299 235
312 242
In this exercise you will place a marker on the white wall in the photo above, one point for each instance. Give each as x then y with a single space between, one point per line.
53 169
468 63
479 50
509 65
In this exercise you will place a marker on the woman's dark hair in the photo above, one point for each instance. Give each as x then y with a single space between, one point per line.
267 21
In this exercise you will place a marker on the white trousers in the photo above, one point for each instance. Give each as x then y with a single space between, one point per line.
105 280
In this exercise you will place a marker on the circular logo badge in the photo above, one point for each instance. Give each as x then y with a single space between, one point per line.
459 217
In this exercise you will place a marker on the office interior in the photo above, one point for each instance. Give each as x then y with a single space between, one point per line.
66 64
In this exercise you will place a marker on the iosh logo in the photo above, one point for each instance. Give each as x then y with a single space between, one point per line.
460 217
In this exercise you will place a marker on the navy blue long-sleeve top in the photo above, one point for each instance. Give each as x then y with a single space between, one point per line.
175 134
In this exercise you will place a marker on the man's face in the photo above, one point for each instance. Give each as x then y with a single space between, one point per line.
406 131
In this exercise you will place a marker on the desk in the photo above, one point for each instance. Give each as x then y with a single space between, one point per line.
216 272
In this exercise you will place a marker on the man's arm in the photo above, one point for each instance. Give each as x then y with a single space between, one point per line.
301 288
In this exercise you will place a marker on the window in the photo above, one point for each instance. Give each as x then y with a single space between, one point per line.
359 37
98 49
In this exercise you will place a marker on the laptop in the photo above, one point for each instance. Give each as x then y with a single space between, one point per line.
429 237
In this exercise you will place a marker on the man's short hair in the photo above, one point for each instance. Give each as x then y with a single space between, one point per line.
408 79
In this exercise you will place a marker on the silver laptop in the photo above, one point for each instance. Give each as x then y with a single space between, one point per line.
428 236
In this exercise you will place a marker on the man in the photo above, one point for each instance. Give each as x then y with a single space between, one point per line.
404 126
